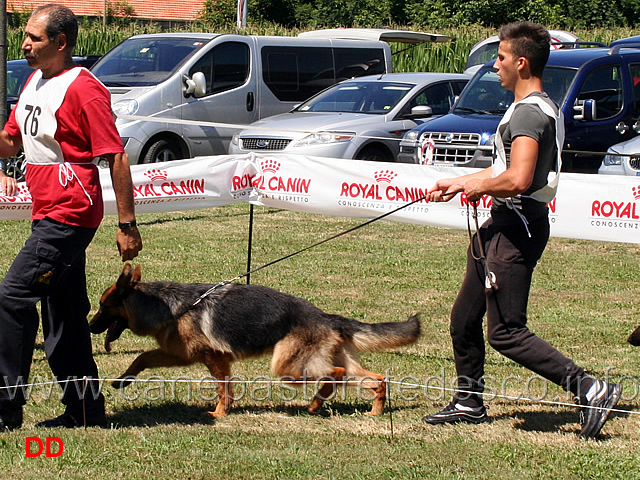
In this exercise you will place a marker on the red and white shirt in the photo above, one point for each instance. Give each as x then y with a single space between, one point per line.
65 122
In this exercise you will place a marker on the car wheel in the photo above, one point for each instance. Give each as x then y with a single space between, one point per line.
162 151
374 154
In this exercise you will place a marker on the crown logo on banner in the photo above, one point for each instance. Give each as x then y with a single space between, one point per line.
154 174
636 192
384 176
270 165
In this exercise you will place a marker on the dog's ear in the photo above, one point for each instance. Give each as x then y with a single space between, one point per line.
137 274
129 277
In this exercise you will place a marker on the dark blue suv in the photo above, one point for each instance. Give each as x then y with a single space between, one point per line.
598 90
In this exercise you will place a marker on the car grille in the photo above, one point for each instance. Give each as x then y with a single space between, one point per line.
453 147
251 143
634 162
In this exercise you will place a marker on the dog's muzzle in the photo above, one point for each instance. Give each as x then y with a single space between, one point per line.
113 325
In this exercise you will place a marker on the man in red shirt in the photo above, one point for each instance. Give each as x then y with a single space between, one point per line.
63 121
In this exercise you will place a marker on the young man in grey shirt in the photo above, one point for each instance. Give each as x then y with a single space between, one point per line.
505 250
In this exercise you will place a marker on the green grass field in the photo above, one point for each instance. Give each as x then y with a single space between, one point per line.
584 301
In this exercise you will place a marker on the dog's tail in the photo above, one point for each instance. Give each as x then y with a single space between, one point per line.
369 337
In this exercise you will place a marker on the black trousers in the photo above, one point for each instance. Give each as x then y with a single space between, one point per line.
50 268
512 256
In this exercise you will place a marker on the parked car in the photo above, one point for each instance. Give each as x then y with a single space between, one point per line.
229 80
629 41
486 50
362 118
626 164
18 72
596 91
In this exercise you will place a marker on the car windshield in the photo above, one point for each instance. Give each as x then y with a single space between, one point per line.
484 94
144 61
17 75
483 54
358 97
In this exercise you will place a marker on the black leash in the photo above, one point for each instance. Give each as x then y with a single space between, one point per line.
490 277
333 237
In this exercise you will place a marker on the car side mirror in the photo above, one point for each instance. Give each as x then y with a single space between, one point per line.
196 85
421 111
585 110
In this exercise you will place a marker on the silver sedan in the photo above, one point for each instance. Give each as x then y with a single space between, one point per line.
362 118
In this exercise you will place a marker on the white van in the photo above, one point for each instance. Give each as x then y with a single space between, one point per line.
197 78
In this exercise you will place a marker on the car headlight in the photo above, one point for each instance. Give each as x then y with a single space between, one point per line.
321 138
235 139
612 160
125 107
491 140
411 136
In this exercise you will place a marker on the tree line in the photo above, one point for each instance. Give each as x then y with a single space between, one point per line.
565 14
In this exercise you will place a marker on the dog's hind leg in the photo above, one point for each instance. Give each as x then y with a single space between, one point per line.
328 389
219 366
150 359
376 383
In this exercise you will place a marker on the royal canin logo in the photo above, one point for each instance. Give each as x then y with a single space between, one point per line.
618 210
383 189
384 176
270 181
154 175
159 185
270 165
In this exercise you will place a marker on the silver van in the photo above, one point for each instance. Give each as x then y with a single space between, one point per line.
196 79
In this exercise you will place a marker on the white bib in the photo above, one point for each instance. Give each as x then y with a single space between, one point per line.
548 192
36 116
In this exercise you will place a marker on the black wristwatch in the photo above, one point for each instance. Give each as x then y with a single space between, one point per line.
125 225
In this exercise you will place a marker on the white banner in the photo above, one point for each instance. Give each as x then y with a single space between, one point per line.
591 207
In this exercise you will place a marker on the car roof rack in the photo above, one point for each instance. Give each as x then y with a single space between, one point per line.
579 44
384 34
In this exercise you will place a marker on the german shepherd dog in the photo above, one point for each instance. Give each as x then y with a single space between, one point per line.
239 321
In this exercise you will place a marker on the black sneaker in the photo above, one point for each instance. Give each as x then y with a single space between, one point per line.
10 418
68 420
456 413
597 405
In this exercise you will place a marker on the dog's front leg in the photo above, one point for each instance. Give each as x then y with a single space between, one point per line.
219 366
150 359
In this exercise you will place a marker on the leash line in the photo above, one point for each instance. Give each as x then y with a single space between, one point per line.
302 250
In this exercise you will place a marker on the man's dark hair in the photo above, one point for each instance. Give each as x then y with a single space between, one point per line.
528 40
61 20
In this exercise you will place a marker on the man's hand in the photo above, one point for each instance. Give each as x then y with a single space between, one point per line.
129 243
472 189
444 190
8 185
472 184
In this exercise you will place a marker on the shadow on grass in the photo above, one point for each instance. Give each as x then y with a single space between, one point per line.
176 413
554 420
164 414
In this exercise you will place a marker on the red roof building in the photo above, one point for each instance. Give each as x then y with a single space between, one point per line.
160 10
